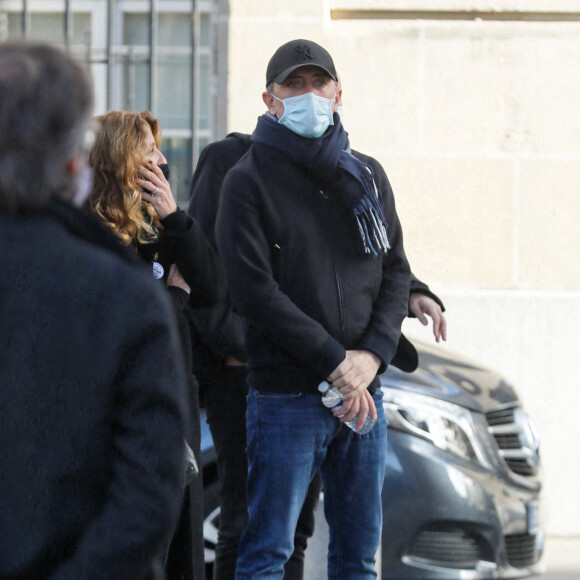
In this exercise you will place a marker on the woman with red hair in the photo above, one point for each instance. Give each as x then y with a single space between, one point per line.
132 194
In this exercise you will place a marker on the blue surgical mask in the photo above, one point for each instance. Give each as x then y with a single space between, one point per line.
308 115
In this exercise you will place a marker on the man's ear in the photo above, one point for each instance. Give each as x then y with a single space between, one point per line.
269 102
75 164
337 101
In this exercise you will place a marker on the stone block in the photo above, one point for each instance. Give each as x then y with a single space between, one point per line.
548 228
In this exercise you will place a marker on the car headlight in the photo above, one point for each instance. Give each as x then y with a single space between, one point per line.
446 425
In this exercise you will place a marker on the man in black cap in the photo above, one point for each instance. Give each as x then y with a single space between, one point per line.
221 369
312 246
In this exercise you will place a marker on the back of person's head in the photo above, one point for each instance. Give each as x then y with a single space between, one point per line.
46 102
117 153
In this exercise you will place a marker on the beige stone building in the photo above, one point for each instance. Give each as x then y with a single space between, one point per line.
472 107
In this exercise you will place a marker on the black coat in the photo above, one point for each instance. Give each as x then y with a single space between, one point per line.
289 248
91 403
219 331
182 242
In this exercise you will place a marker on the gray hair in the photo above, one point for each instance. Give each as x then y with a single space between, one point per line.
46 101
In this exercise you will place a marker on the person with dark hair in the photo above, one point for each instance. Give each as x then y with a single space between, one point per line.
132 194
92 387
221 368
312 247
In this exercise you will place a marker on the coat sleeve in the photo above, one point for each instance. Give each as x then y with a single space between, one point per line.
141 506
220 327
196 259
215 161
392 303
245 253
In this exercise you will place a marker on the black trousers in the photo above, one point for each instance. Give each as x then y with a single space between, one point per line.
185 560
225 401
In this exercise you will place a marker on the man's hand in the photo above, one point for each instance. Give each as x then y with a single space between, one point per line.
361 404
420 305
352 377
355 373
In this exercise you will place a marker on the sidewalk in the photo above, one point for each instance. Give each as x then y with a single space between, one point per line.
562 558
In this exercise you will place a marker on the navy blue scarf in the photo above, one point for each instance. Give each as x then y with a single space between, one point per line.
328 159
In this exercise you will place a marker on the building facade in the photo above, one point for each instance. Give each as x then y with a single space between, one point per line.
145 54
472 107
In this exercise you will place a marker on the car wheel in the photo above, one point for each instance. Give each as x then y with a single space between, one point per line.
210 527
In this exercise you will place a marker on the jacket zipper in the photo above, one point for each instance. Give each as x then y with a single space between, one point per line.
338 285
340 305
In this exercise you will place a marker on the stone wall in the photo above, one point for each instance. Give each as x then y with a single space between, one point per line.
473 108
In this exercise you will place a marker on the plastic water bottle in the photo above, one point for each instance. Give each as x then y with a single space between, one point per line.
332 398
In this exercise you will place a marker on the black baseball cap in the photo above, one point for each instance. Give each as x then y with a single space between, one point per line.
295 54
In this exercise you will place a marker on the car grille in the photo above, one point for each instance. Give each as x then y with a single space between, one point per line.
450 548
522 550
515 435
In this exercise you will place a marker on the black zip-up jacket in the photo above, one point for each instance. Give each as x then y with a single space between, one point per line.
296 272
219 330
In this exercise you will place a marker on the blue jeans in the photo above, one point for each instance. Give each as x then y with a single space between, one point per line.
226 399
290 438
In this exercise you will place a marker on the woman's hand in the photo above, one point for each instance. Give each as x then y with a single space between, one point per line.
157 190
174 278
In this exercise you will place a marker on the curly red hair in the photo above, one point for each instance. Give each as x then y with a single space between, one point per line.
117 153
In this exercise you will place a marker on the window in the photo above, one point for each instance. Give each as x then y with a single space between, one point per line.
49 26
179 95
161 61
